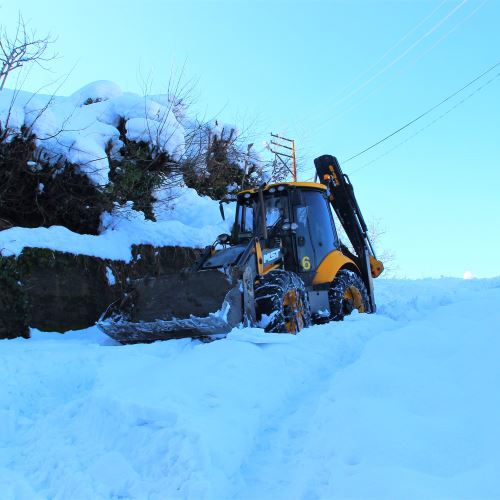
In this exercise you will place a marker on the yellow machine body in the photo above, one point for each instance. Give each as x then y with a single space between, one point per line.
331 265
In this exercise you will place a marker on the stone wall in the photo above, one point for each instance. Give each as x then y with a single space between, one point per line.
57 291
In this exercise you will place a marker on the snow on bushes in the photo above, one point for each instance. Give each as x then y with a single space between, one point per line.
67 160
37 193
82 129
217 163
101 90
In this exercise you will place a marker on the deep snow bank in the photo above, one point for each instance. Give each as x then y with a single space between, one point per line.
402 404
189 220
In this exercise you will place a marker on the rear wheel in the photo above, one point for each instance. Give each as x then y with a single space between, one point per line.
347 292
282 303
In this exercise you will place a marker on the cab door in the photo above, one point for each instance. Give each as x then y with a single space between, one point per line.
315 236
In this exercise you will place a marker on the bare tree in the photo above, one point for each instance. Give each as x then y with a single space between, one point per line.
376 231
24 47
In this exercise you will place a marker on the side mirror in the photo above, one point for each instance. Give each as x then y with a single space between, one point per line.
221 208
223 238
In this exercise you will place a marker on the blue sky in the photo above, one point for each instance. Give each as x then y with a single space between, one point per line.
336 77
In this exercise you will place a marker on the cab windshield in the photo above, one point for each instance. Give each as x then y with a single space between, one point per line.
248 214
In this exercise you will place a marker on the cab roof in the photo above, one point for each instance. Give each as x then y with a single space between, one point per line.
308 185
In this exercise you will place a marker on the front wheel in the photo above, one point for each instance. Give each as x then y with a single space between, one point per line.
347 292
282 303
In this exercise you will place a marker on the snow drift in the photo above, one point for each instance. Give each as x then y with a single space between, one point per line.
175 226
401 404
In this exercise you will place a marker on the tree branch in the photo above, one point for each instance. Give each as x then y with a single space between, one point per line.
22 48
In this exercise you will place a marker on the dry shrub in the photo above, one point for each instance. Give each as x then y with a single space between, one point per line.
218 164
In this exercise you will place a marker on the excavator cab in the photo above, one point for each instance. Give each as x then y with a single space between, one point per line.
298 221
283 267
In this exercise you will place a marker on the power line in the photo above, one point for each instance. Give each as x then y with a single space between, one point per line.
472 94
477 90
423 114
391 63
306 134
380 86
449 32
378 61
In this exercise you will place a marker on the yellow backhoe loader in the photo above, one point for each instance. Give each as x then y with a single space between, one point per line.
283 268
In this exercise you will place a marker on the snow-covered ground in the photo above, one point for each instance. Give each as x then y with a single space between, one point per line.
401 404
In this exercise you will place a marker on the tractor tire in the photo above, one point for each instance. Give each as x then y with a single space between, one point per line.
282 303
347 292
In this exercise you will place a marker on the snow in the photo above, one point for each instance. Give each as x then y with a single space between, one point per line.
162 133
223 130
102 90
187 220
400 404
81 127
110 277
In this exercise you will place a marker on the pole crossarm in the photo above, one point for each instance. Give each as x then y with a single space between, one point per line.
279 153
281 145
281 137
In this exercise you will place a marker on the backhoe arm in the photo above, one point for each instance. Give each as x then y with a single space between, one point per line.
344 203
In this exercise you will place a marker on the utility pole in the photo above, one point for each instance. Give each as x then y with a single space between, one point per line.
284 148
247 162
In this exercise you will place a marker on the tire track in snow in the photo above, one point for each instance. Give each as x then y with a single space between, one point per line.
269 471
296 450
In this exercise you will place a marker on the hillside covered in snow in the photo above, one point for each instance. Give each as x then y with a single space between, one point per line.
401 404
133 168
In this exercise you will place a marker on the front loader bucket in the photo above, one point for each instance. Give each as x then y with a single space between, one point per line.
171 306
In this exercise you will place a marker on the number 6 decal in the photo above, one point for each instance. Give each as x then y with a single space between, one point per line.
305 263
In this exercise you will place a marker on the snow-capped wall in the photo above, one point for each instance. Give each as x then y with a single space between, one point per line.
189 220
